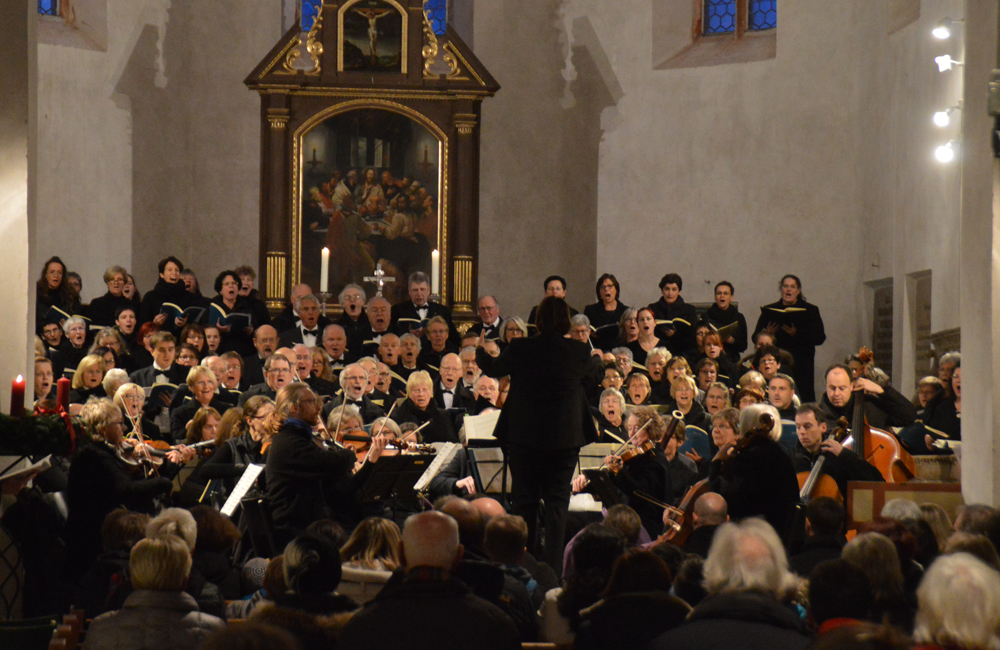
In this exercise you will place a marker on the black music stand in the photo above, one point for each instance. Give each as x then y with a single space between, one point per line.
393 478
605 489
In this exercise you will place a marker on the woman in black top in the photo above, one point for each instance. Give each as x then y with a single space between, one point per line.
102 310
53 291
419 408
228 301
605 314
245 448
647 340
169 288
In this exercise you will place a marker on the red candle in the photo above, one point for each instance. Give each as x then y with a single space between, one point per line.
17 398
62 393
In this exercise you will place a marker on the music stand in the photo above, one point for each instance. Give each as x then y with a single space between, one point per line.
393 478
257 515
602 485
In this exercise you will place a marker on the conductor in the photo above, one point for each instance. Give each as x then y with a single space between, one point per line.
545 419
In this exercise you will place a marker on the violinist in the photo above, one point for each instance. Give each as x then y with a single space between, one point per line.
755 475
840 463
100 481
298 472
245 447
644 475
131 398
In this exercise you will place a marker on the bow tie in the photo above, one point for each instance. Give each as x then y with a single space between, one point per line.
355 402
314 332
449 391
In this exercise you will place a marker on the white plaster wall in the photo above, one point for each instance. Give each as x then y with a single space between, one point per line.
817 162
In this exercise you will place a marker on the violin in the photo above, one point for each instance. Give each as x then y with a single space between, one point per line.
616 462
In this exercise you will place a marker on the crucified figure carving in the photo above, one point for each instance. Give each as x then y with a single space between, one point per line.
373 15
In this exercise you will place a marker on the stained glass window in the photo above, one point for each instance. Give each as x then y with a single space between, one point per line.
48 7
310 11
720 16
438 10
763 14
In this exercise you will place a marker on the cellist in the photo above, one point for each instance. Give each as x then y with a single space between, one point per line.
839 463
885 406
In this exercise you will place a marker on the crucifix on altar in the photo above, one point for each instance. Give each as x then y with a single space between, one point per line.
379 278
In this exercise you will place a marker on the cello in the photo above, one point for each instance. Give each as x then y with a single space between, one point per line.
814 483
880 448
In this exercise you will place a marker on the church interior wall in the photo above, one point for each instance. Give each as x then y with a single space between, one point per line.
817 162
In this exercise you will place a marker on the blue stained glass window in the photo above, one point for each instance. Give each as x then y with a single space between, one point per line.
720 16
763 14
438 10
310 11
48 7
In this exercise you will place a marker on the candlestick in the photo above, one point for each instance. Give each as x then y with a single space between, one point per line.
435 272
324 270
62 393
17 398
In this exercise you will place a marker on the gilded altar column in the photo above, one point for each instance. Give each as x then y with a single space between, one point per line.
274 200
465 220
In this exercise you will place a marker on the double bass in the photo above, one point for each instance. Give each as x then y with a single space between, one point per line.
880 448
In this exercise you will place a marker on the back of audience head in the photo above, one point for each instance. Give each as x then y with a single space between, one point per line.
959 604
250 636
710 509
488 506
689 581
638 571
506 539
160 563
595 552
311 565
876 555
900 509
329 529
897 533
750 419
471 523
974 518
939 521
975 545
747 556
216 532
839 589
625 521
430 539
825 517
122 528
174 521
374 544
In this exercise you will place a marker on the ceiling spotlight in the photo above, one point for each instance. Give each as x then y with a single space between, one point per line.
945 28
945 62
946 152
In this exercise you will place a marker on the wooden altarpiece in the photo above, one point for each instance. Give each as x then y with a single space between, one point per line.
370 92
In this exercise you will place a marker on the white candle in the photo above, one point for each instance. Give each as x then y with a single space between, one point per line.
324 270
436 272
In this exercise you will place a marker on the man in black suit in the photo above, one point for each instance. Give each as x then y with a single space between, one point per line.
353 381
412 316
369 334
489 319
545 419
352 298
676 319
437 345
265 340
277 375
309 326
163 370
449 393
710 512
335 345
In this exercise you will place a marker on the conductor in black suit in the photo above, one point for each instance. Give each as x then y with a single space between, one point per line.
545 419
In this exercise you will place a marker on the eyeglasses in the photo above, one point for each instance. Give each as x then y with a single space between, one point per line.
352 299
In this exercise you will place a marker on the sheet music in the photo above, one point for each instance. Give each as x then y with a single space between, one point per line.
444 455
584 502
246 482
17 466
480 427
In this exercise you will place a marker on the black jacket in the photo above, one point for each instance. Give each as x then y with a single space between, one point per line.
185 413
463 397
605 324
369 411
742 620
547 404
720 318
682 318
164 291
236 339
441 428
101 311
629 620
257 389
816 549
429 610
297 472
890 409
492 334
405 316
649 475
848 466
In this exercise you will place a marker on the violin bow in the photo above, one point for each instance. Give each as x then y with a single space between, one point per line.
386 419
625 444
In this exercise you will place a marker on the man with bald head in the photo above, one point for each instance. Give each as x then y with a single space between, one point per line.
710 512
265 341
448 389
429 607
489 319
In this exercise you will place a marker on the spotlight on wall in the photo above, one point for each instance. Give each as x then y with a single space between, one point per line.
946 152
945 62
945 28
943 118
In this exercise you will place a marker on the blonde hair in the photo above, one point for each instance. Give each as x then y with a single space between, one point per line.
418 378
123 390
96 413
750 418
684 381
659 352
113 380
374 544
323 371
200 371
160 563
287 399
86 364
340 414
